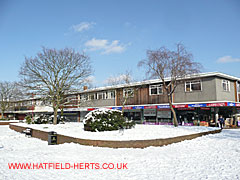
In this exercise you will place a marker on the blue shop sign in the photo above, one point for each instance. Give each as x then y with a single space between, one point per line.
197 105
138 107
163 106
117 108
231 104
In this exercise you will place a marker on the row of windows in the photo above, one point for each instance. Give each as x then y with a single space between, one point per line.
99 95
190 86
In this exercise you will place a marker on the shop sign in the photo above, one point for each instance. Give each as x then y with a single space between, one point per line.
91 109
180 106
216 104
117 108
138 107
149 112
197 105
230 104
164 114
163 106
237 104
150 107
205 108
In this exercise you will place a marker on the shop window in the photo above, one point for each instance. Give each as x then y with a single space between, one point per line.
226 85
193 86
129 92
238 87
155 89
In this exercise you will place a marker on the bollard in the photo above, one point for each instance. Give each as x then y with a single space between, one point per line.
52 138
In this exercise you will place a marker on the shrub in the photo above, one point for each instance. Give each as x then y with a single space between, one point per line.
60 119
42 119
106 120
28 119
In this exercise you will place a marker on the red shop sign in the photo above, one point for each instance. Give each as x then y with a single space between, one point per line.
180 106
150 107
216 104
237 104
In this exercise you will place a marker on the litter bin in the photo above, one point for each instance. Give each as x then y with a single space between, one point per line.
52 138
28 132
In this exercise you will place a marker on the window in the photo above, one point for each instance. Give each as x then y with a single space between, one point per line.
238 87
101 95
111 95
193 86
83 97
91 96
155 89
128 92
226 85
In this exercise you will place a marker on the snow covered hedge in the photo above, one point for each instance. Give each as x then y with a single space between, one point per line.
106 120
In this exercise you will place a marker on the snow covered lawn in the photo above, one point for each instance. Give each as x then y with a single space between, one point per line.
140 132
209 157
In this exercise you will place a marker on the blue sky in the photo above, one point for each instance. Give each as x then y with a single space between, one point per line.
116 34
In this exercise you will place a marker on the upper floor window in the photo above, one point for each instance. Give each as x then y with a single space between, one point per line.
111 95
129 92
91 96
193 86
101 95
155 89
83 97
226 85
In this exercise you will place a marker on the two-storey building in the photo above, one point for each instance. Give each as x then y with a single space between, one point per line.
197 98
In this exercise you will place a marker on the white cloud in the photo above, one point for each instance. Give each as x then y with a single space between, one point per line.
96 44
120 79
105 46
227 59
82 26
90 79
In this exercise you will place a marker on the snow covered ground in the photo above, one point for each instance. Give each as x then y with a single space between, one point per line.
209 157
140 132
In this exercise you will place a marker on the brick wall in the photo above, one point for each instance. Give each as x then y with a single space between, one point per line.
113 144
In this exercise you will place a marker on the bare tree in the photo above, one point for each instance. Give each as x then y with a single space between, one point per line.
175 65
9 92
54 73
124 78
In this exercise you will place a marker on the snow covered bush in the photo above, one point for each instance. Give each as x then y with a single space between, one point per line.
42 119
106 120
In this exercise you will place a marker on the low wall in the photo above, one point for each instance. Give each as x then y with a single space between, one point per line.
6 123
113 144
